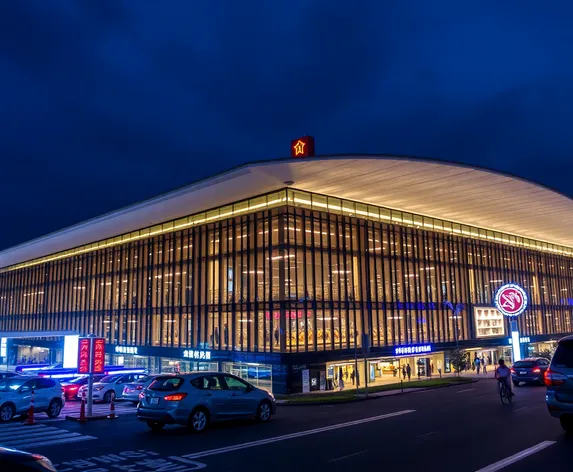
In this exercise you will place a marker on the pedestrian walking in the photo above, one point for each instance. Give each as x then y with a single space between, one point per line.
408 371
484 365
477 363
404 372
352 377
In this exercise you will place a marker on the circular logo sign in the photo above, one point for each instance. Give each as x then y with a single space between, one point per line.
511 300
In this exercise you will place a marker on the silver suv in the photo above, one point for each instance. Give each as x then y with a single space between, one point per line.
109 387
196 399
16 392
559 381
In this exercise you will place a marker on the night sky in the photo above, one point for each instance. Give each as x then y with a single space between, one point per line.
104 103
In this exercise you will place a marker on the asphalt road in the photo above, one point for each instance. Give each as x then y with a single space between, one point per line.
462 428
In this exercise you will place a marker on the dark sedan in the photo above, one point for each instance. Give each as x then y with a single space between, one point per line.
530 370
12 459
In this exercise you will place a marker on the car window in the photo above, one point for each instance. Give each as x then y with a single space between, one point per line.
212 382
11 384
524 364
45 383
109 378
198 382
234 383
564 355
166 384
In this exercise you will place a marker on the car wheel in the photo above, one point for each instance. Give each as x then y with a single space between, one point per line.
109 396
198 420
155 426
567 423
264 412
7 412
54 409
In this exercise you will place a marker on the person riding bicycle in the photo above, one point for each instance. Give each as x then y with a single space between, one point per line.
503 374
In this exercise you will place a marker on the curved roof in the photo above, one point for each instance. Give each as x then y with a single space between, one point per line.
445 190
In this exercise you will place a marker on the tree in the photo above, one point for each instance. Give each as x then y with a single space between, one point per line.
458 360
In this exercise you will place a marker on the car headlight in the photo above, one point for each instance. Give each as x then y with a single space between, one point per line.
271 395
98 387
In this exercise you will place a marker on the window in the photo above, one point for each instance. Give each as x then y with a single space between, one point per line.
211 382
45 383
166 384
236 384
564 355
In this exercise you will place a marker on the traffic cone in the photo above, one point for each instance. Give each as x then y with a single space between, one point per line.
83 418
31 420
112 415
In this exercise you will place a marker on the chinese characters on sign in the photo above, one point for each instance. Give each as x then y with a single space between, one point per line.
511 300
84 355
401 350
98 359
199 355
126 349
522 340
302 147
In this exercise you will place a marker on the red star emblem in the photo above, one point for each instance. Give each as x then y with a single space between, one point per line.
299 148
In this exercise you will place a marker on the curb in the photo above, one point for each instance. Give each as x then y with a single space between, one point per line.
363 399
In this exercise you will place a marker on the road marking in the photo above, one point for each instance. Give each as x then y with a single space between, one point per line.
466 390
482 396
348 456
516 457
427 434
223 450
22 436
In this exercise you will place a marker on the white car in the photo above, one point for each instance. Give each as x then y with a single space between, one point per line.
16 392
109 387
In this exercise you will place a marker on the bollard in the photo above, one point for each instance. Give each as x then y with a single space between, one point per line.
112 415
31 420
83 418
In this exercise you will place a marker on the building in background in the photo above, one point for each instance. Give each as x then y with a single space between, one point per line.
292 273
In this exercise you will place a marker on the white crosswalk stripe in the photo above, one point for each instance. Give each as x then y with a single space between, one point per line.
21 436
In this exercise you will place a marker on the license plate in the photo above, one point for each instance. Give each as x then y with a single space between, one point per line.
523 372
154 401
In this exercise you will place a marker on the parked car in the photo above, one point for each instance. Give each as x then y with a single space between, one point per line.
109 387
12 459
132 391
7 375
559 381
72 387
16 392
197 399
530 370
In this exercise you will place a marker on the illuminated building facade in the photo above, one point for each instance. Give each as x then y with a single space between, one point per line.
285 288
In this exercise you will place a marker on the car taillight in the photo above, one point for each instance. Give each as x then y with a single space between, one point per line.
536 370
512 370
553 379
177 397
139 387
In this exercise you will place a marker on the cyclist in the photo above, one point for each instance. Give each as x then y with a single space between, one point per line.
503 374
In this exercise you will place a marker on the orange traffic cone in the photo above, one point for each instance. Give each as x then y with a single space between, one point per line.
31 419
112 415
83 418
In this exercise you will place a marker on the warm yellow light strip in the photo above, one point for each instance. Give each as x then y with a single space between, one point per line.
311 201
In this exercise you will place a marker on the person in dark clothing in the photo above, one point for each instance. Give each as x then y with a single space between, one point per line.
408 372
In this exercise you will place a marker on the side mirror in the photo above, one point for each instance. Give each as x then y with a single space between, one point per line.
24 389
249 388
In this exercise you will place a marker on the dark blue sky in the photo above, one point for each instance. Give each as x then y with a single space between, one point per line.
105 103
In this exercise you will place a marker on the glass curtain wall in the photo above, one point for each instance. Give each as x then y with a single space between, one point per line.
287 279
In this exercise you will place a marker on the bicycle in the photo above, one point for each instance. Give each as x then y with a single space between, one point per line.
504 393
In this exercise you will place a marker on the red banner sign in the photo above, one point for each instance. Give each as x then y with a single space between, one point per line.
84 356
98 358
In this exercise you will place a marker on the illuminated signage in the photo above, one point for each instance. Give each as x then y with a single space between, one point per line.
3 347
70 351
98 357
510 300
126 349
198 355
522 340
406 350
84 355
302 147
